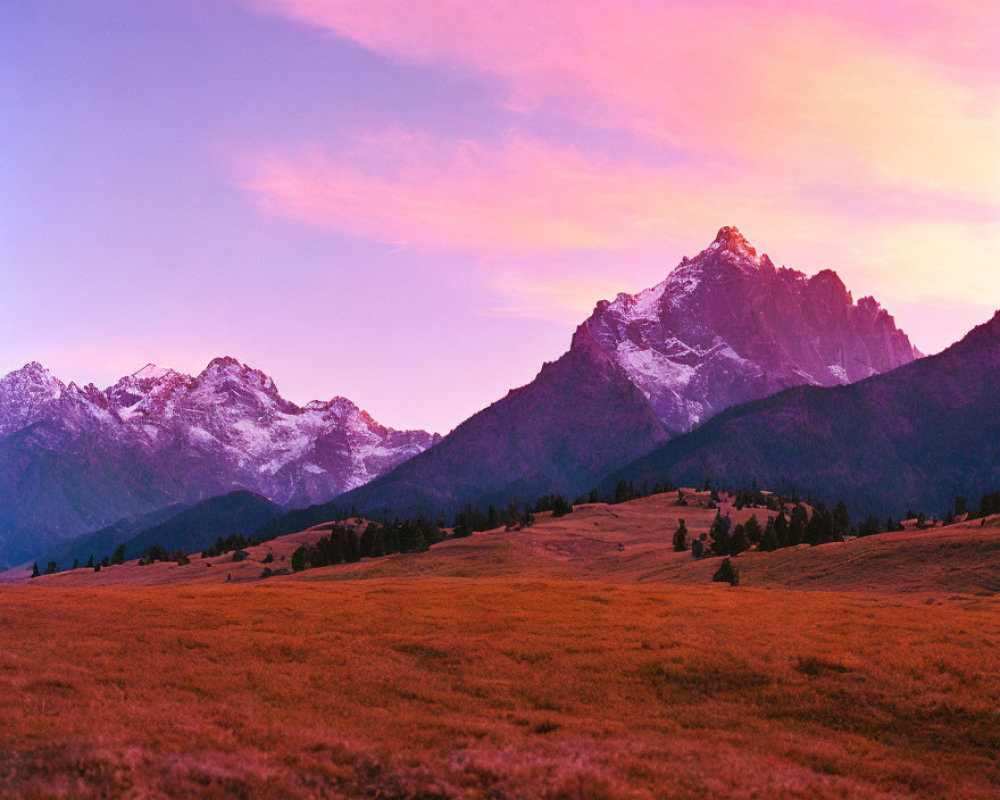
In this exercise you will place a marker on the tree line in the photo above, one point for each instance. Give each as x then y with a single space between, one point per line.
344 545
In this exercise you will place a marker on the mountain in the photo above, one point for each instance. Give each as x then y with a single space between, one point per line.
74 460
103 542
580 415
723 328
195 528
914 437
726 327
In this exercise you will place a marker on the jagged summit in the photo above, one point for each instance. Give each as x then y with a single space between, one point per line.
730 248
728 251
726 327
225 362
730 238
25 394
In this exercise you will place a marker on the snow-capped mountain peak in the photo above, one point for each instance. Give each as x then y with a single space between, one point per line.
160 435
151 371
24 395
729 239
726 327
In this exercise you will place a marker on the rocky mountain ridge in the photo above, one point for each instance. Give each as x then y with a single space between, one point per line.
915 437
74 459
723 328
727 327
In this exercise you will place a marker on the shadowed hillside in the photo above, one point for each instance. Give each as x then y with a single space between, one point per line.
917 436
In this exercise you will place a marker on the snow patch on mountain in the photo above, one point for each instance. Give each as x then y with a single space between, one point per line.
226 427
726 327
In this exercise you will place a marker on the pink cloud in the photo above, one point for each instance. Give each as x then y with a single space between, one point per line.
519 197
816 127
898 93
529 211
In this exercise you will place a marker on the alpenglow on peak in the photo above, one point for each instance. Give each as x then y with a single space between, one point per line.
726 327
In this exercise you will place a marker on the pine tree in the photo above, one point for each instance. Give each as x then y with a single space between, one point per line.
680 537
76 563
781 529
299 558
52 568
752 530
90 561
769 541
119 555
34 570
820 527
351 548
841 522
560 508
738 542
726 573
797 526
720 534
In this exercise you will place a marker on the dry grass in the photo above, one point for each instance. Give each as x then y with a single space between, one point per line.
494 688
535 664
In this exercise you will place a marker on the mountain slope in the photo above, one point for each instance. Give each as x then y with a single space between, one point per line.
917 436
723 328
559 432
195 528
74 460
103 542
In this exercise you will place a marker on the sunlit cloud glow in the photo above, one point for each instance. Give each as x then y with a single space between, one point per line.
860 132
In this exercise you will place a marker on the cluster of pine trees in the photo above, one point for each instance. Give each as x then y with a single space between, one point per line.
233 542
625 491
990 504
798 527
473 518
514 516
52 567
872 524
345 546
555 503
744 498
158 552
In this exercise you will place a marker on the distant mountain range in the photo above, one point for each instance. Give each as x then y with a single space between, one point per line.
725 327
644 374
914 437
74 460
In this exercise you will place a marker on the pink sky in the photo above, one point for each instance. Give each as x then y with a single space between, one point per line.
486 172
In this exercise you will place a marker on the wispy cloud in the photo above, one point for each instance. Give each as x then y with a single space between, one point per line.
519 197
843 92
859 135
565 298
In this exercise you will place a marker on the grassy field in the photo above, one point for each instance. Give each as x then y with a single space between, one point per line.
540 664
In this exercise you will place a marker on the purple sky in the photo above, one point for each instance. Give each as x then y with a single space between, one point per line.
413 204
